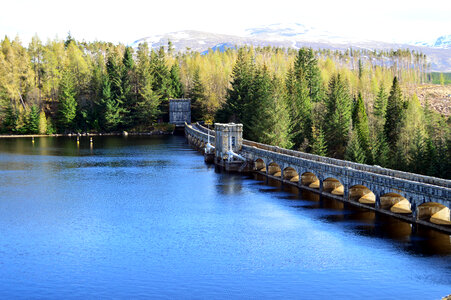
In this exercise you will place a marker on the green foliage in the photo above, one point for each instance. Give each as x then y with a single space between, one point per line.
32 125
176 84
197 95
68 104
319 146
354 151
306 65
360 124
395 114
338 116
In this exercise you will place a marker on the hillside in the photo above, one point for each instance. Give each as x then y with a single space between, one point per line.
296 36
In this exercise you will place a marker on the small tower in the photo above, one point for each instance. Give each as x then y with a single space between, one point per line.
179 111
228 137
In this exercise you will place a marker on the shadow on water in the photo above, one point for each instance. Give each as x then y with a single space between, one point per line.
412 238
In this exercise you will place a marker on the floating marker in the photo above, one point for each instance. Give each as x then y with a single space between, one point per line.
32 139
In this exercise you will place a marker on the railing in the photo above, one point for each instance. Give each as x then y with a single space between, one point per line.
342 163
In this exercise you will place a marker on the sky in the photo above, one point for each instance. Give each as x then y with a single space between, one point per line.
126 21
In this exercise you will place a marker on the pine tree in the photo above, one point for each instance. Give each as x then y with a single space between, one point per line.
33 120
68 104
128 87
176 84
161 80
300 109
338 116
113 96
395 114
239 96
360 122
380 151
148 106
197 94
319 146
380 104
354 152
306 65
110 107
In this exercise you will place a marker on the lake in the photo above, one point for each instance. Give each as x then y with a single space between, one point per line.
145 217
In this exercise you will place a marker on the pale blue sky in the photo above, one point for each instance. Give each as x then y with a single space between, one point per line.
126 21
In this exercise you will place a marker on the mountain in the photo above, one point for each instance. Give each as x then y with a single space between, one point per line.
293 36
443 41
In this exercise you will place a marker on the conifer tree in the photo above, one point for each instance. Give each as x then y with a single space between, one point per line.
148 106
33 120
395 114
197 94
113 88
238 97
319 146
306 65
380 104
68 104
110 107
338 116
360 123
300 109
176 84
354 151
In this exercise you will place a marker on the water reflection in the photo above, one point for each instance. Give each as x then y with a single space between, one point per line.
411 238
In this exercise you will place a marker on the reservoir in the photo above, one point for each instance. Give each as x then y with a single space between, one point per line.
145 217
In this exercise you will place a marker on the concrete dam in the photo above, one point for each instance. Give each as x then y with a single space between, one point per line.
411 197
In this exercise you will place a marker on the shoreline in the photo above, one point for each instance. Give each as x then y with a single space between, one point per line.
149 133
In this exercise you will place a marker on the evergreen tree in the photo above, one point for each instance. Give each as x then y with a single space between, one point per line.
110 107
68 104
381 151
176 84
319 146
360 122
128 87
270 121
113 105
354 152
239 96
380 104
33 120
338 116
395 114
148 106
197 94
306 65
161 80
300 109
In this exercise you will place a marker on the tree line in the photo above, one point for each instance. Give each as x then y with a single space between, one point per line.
353 104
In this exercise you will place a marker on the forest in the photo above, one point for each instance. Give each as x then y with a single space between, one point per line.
357 105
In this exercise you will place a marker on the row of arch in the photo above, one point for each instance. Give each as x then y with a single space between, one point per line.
392 201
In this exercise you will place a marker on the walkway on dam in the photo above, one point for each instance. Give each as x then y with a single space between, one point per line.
412 197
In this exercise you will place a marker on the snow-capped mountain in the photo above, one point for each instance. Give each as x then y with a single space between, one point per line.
293 36
443 41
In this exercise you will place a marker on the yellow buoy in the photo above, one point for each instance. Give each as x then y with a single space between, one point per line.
402 207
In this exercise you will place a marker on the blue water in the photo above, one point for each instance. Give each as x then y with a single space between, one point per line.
145 217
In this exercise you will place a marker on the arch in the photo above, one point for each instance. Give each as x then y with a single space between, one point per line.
274 169
396 203
259 165
333 186
434 212
290 174
362 194
309 179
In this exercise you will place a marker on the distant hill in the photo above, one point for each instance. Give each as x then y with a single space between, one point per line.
296 36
